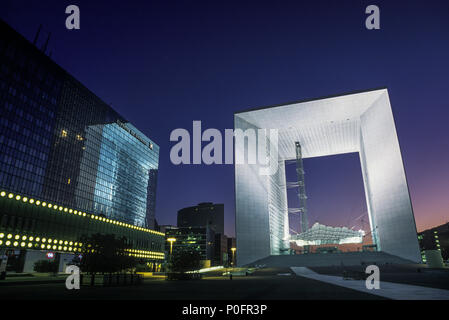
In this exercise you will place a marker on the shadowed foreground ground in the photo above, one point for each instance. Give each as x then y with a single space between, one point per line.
265 284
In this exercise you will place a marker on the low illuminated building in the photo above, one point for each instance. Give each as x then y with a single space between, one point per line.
194 239
436 238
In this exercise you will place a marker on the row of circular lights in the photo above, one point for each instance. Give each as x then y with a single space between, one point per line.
80 213
136 251
145 256
39 243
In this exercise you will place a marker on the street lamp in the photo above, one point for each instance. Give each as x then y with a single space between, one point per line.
171 240
233 254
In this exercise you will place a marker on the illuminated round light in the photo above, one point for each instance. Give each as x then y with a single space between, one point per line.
96 217
70 248
66 242
60 241
30 245
44 204
17 237
24 237
49 205
38 203
31 201
25 199
49 240
70 211
2 235
1 242
8 243
65 248
76 243
60 208
18 197
43 239
71 242
81 244
3 193
10 196
55 207
23 244
54 247
65 209
43 246
31 239
48 246
15 243
60 248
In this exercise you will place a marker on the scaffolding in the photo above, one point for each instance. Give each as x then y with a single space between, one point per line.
301 189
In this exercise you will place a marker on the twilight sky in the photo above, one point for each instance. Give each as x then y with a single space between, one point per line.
163 64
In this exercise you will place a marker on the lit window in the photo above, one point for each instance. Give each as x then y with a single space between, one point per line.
64 133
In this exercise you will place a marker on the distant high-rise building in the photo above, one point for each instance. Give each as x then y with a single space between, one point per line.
204 214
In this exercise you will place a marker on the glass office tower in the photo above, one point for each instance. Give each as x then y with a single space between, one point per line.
61 143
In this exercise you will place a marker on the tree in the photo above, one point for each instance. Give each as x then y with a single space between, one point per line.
46 266
105 254
186 261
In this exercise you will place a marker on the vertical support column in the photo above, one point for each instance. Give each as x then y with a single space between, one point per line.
389 205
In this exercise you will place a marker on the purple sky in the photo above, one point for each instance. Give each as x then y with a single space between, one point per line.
163 64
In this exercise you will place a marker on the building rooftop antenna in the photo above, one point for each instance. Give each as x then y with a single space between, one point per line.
37 34
44 48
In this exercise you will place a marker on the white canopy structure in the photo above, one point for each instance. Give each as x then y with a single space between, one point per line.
320 234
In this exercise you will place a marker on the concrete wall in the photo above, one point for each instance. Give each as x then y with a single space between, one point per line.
33 256
388 198
252 218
